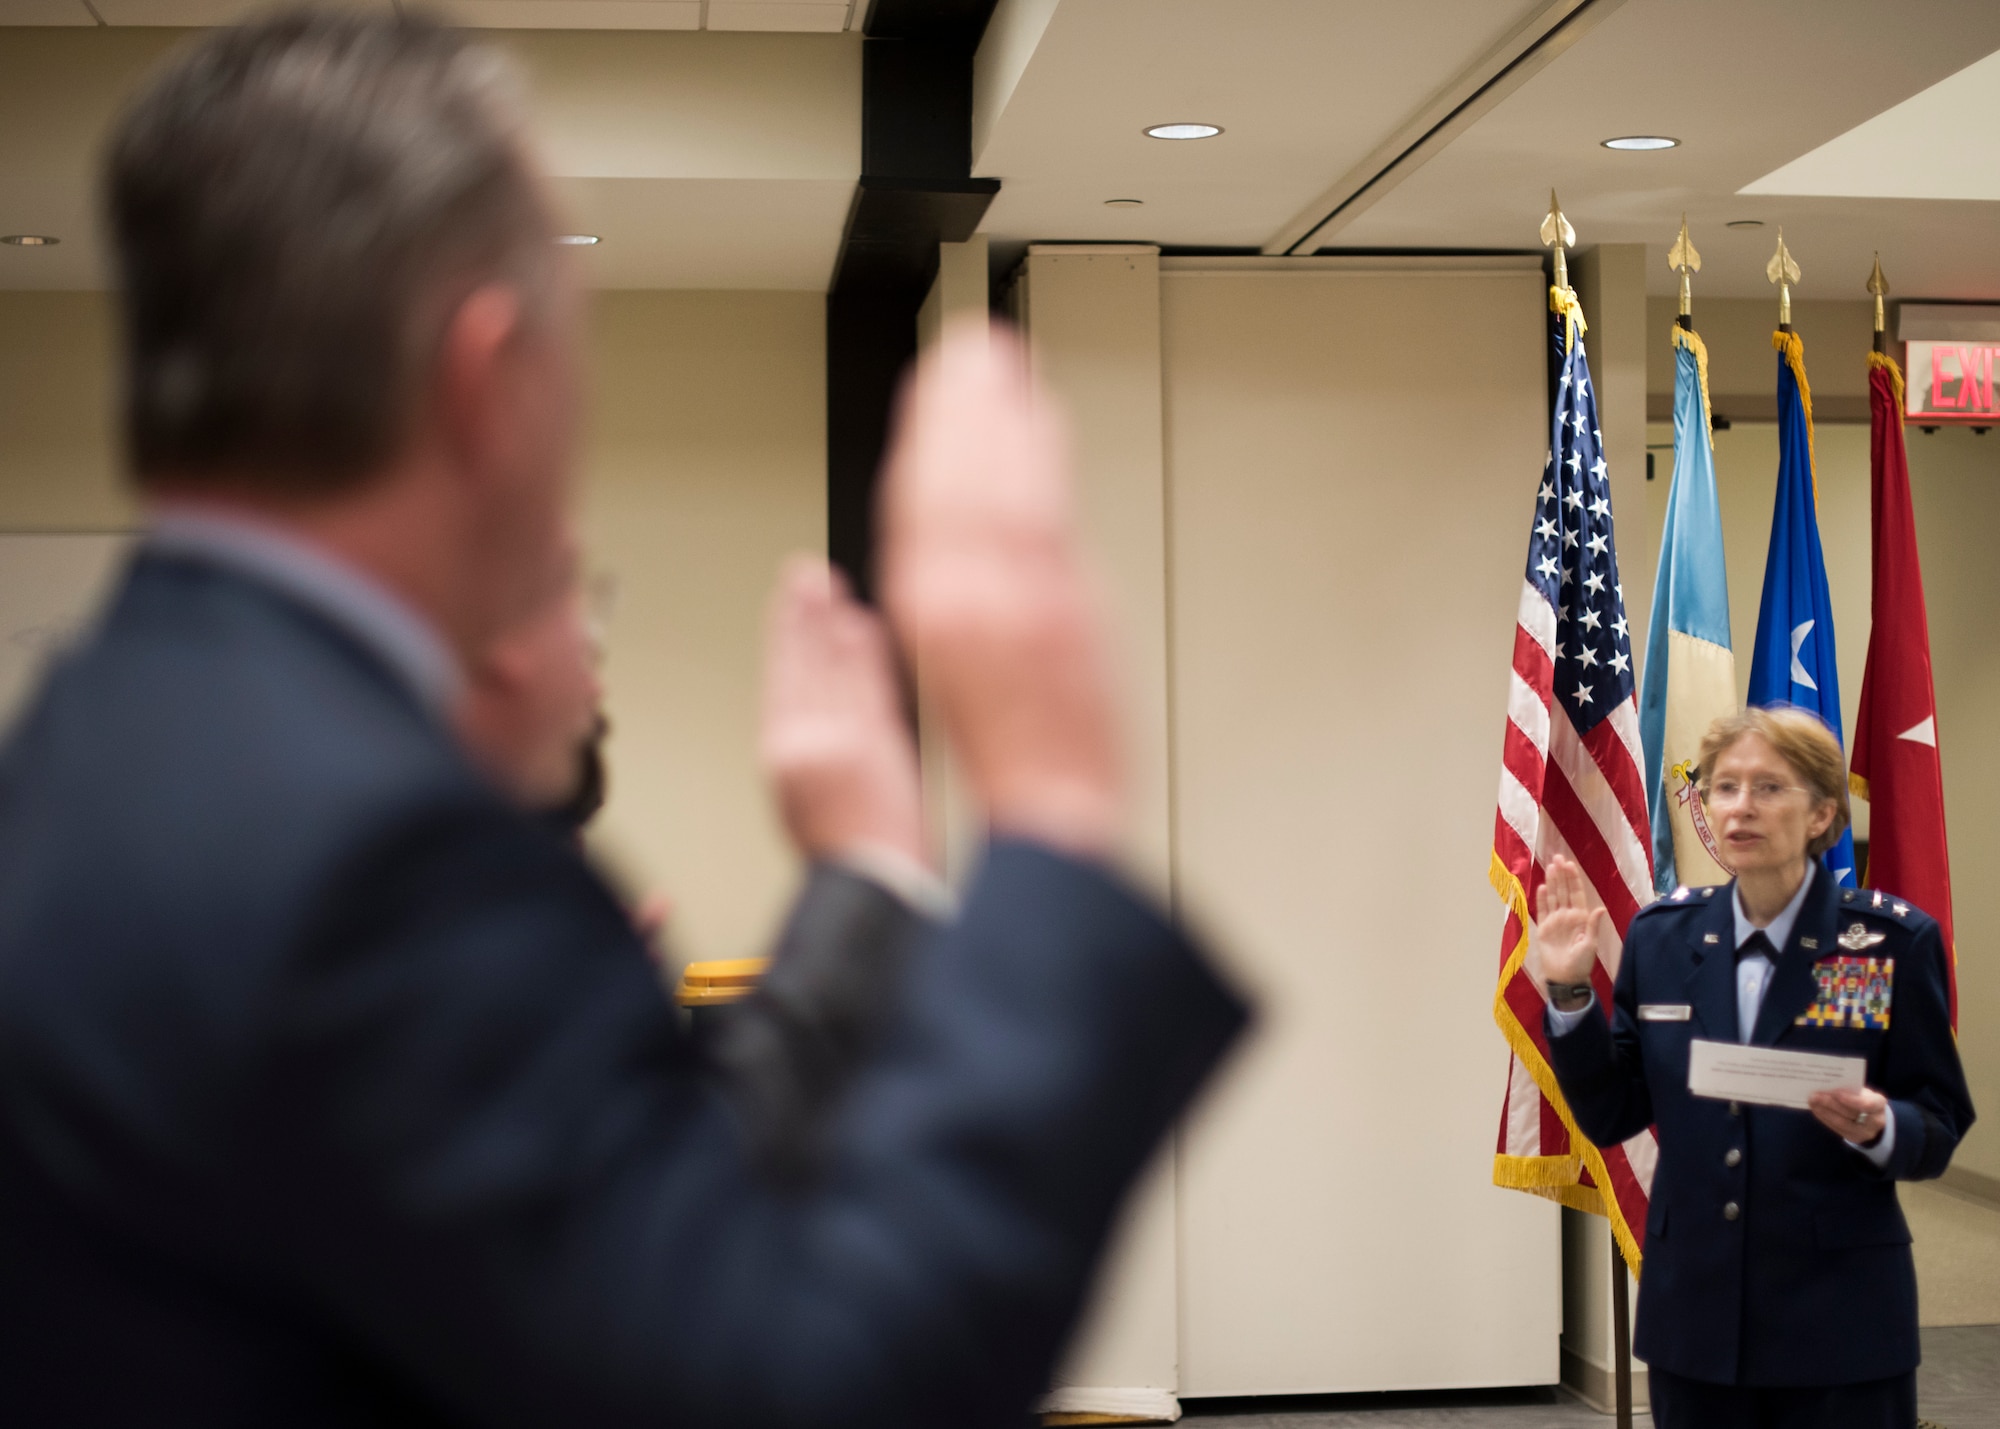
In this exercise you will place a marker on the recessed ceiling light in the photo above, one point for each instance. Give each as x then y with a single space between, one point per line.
1642 141
30 240
1744 223
1124 203
577 240
1183 131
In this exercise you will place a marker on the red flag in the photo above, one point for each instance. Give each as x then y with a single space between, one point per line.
1895 765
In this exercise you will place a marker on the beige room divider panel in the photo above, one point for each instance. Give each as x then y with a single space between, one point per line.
1352 448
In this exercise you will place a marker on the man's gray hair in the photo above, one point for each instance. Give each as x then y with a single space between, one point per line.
298 206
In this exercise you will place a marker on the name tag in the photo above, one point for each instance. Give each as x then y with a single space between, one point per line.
1664 1011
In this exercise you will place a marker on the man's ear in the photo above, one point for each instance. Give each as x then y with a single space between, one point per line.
472 373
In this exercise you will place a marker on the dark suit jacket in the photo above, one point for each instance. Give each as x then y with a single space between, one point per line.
789 1053
1810 1282
333 1091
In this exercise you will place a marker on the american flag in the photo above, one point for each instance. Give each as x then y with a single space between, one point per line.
1570 783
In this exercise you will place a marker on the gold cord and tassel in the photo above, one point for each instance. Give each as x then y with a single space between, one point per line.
1557 234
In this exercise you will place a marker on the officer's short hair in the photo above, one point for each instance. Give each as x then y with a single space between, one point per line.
298 206
1804 742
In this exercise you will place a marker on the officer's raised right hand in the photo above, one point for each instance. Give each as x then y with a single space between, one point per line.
1570 927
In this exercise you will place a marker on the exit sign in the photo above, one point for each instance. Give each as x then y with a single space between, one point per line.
1951 382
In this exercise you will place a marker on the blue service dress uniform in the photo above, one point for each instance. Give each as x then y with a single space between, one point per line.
1776 1254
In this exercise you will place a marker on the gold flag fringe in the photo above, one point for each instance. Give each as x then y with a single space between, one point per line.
1792 348
1550 1176
1684 337
1888 364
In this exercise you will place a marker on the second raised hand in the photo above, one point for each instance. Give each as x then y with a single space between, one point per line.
985 586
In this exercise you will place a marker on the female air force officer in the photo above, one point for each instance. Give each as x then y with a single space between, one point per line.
1779 1289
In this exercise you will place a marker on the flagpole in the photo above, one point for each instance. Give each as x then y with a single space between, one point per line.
1557 234
1879 286
1784 272
1621 1332
1684 260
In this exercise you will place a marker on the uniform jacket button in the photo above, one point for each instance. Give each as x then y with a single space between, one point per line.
1734 1158
1731 1211
1735 1109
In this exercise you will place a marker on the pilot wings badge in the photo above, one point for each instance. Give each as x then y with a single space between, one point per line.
1859 936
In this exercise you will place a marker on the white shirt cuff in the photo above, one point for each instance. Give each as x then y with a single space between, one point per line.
1562 1023
1882 1147
897 873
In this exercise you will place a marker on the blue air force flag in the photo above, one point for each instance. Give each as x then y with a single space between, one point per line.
1690 679
1793 661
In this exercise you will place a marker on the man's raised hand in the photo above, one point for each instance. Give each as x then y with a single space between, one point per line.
986 589
834 742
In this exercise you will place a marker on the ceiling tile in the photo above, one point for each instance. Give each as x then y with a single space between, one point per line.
44 12
815 15
197 12
708 233
577 14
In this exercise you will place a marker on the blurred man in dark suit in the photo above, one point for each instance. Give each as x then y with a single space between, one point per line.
530 715
336 1090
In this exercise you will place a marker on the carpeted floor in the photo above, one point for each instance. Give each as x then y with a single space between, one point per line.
1958 1254
1957 1388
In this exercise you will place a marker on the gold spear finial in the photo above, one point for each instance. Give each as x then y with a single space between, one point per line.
1784 272
1684 260
1557 232
1879 287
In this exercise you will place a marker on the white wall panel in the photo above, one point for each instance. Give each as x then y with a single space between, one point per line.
1351 459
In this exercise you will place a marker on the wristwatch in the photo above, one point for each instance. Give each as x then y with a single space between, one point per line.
1575 993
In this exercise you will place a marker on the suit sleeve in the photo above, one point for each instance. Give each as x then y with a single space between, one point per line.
1598 1062
502 1167
789 1054
1919 1071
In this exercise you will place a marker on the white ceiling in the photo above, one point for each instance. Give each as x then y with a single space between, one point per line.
701 160
1792 76
1302 89
709 159
1935 144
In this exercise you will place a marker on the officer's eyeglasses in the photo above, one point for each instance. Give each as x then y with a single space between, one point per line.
1762 793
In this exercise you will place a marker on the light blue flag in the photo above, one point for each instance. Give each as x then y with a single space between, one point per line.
1793 661
1690 679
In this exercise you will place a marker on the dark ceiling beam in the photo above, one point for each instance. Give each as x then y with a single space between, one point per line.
916 191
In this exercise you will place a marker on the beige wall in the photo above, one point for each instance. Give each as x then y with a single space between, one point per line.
1955 485
1344 566
705 463
1741 362
1092 315
59 464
